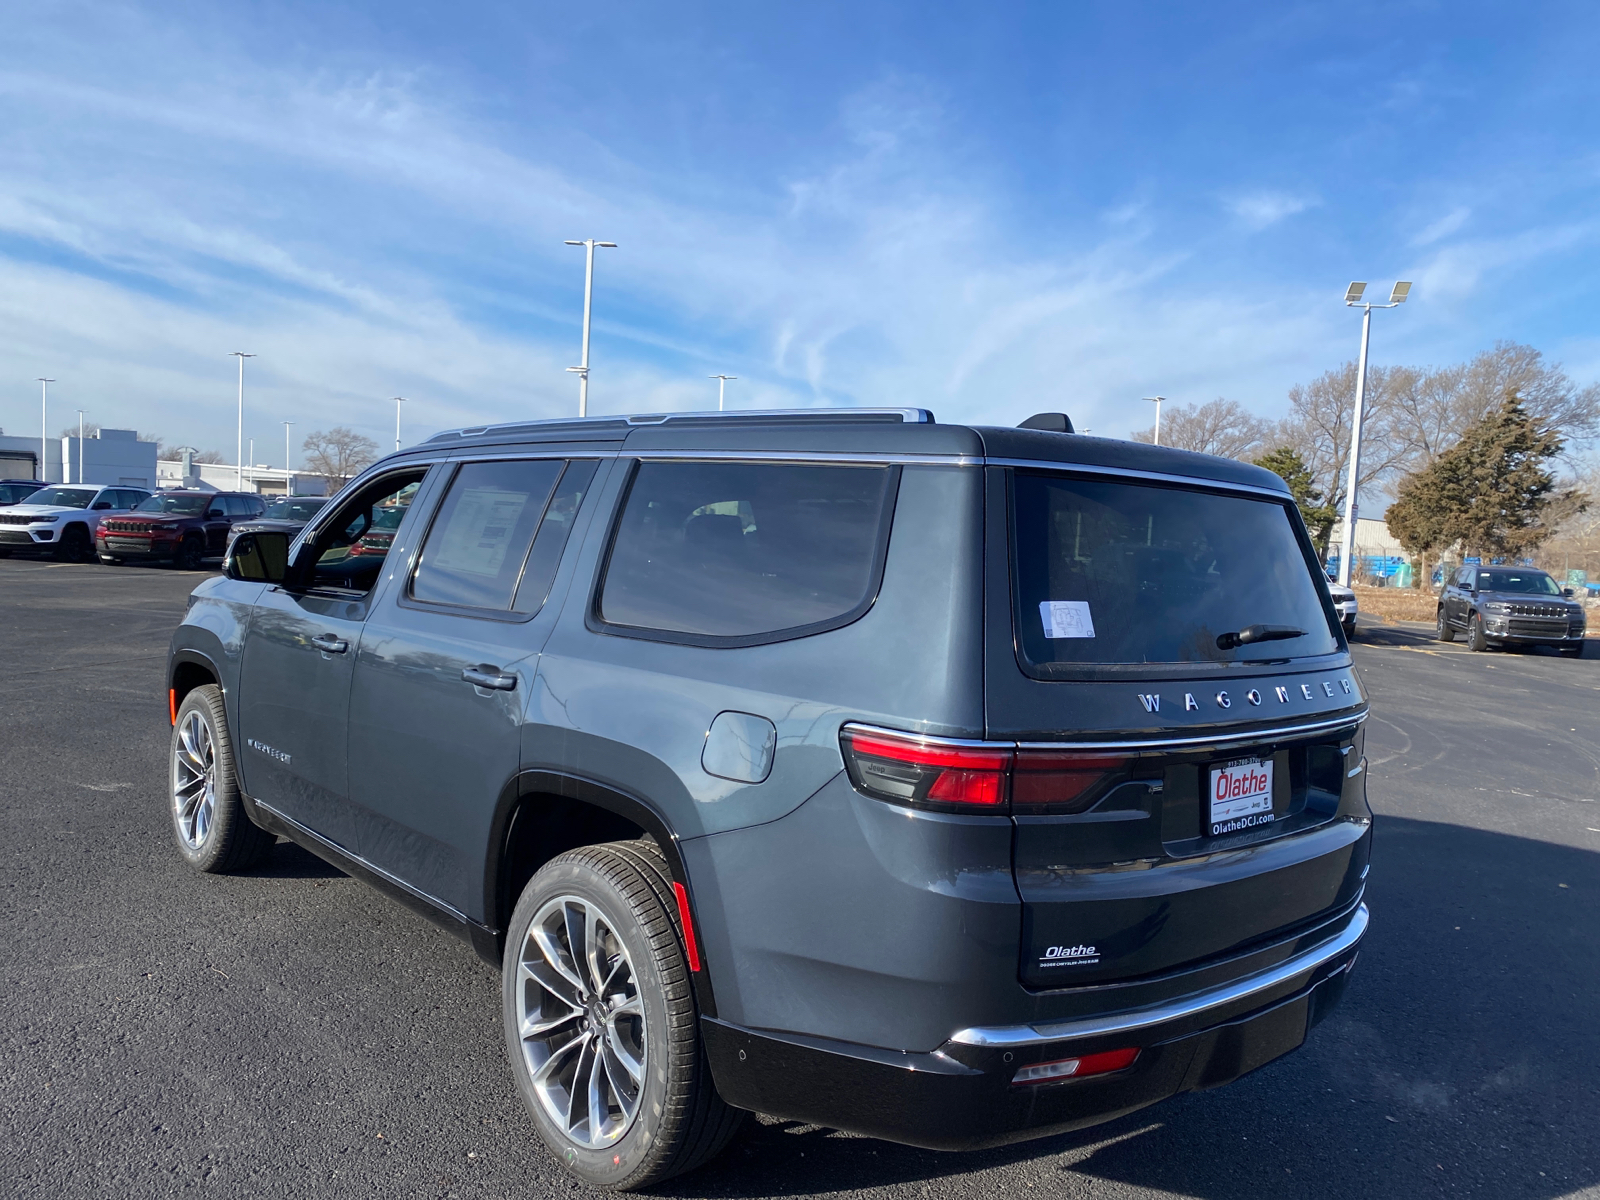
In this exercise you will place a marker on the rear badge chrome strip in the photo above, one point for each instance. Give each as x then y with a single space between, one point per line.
1189 1006
1273 733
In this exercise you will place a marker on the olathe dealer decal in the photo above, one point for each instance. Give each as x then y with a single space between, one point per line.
1069 956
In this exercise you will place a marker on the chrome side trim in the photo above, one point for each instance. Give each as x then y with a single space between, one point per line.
1127 473
358 861
1189 1006
1221 739
888 458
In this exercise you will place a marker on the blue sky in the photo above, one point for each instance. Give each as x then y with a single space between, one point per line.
984 209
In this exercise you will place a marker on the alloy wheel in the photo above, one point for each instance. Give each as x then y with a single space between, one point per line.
581 1022
194 784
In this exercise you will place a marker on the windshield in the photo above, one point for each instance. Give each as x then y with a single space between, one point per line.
62 497
294 510
1533 583
1111 572
186 506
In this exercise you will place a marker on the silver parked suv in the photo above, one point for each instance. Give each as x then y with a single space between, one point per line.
954 786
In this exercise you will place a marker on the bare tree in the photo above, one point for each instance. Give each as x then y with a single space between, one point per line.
338 454
1318 427
1222 427
90 429
210 457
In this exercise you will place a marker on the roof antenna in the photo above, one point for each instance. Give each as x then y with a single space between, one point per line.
1049 422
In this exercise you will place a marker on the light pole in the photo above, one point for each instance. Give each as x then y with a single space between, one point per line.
80 445
722 383
44 427
1156 400
286 425
1352 299
241 356
582 371
398 401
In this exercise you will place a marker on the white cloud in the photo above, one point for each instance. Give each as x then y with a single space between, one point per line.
1443 227
1258 210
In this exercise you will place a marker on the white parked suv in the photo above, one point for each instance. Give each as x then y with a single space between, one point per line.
1344 602
62 518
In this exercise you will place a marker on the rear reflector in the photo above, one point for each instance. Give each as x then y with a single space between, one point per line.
950 776
691 948
1077 1068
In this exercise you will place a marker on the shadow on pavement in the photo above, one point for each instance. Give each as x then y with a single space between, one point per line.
1465 1060
291 861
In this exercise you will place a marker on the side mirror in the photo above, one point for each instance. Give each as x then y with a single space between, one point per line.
259 557
101 504
1568 593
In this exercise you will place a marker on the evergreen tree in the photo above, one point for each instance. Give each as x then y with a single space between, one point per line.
1489 491
1285 462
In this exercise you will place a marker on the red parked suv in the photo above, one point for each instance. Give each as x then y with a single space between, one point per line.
182 527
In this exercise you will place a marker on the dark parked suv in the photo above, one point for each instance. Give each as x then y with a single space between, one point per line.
180 527
953 786
1510 607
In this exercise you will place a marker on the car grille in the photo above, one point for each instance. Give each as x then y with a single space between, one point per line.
1537 627
127 543
127 526
1536 610
10 520
15 537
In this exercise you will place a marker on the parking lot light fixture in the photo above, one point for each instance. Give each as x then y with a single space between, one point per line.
1352 299
241 356
80 445
44 427
722 384
582 370
286 425
1156 400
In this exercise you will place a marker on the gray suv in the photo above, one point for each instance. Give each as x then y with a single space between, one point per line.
948 785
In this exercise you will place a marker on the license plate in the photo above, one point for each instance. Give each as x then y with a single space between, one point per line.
1240 796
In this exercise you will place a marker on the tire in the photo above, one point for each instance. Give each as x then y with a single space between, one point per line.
190 554
74 545
1442 629
213 832
1476 641
1349 631
660 1121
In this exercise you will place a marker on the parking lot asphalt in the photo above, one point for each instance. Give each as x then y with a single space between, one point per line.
292 1033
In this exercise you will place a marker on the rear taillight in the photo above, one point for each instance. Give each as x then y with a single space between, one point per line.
943 775
953 776
1063 1069
1055 781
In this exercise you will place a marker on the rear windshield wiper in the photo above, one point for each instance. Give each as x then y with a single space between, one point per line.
1258 633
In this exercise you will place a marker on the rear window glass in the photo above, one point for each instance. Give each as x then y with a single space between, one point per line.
479 542
722 550
1110 572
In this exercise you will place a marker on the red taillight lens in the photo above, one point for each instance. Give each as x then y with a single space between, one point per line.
952 777
1051 781
904 770
1076 1068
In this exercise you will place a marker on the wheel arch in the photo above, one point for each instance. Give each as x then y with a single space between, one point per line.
543 813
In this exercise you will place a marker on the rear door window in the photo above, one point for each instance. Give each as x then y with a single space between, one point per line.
713 552
1109 572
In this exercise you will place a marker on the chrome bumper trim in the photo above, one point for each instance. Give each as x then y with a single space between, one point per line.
1173 1010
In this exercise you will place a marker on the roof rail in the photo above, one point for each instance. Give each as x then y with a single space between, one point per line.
909 416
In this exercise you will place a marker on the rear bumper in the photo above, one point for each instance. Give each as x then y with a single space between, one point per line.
960 1096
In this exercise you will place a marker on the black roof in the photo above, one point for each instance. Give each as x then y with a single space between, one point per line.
909 431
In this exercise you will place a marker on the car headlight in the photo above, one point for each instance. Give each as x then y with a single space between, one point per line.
47 520
1495 608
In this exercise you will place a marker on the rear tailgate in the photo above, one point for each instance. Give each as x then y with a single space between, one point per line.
1189 782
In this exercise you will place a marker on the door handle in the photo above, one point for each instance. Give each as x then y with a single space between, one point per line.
485 676
329 644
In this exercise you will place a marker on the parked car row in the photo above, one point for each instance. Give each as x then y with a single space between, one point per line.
78 522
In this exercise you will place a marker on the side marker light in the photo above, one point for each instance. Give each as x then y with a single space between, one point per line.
172 706
689 945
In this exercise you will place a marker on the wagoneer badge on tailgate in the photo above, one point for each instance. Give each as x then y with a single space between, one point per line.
1152 700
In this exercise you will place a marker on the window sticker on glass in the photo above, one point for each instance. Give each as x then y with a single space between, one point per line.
1066 618
480 531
